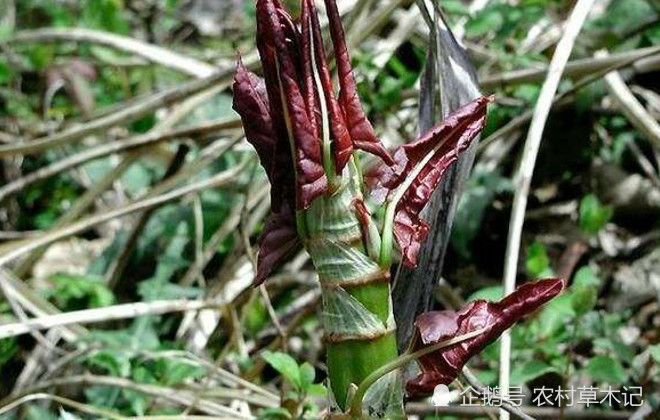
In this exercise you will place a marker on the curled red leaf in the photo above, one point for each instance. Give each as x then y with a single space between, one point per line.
443 365
278 239
251 104
359 127
419 167
342 145
364 217
279 43
277 243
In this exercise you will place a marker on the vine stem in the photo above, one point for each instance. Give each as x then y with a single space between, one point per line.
355 410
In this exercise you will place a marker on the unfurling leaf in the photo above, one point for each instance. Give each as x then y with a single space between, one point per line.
278 241
315 61
443 365
305 136
278 41
279 238
418 169
297 125
429 157
359 127
251 103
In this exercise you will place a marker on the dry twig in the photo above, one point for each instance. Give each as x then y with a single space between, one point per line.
221 179
523 177
110 313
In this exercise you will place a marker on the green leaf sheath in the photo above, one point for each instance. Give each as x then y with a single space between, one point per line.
357 310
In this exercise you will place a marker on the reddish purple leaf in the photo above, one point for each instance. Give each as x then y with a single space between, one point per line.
341 141
382 178
279 46
443 365
441 146
251 103
364 218
359 127
311 98
279 238
410 231
277 243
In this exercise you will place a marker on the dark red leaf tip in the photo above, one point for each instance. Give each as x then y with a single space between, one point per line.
439 148
443 365
359 127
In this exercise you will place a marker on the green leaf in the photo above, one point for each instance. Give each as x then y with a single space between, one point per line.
5 72
317 390
555 315
285 365
112 362
176 371
593 215
139 402
8 349
486 21
537 262
80 292
586 276
35 412
621 351
489 377
41 56
606 369
584 291
492 293
655 353
307 375
275 413
527 92
583 298
102 396
525 372
455 7
482 187
105 14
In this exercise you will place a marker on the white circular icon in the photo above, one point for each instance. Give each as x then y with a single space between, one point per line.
441 396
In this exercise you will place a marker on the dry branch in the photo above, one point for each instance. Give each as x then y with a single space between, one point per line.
574 69
221 179
153 53
630 107
122 116
177 396
35 304
523 178
519 121
110 313
103 150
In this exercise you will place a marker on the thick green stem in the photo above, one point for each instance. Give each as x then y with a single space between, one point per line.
401 361
357 309
351 361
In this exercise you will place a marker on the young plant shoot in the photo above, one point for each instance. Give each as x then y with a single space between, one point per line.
307 140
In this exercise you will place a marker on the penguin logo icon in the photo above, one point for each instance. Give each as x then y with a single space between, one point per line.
441 397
